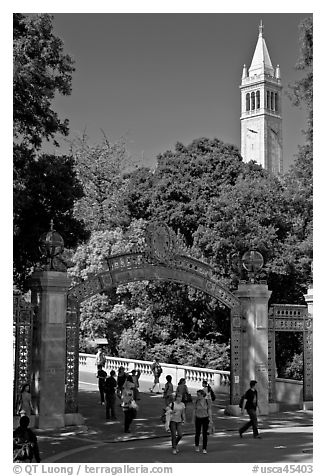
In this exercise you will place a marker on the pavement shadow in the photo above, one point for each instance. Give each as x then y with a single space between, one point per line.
98 431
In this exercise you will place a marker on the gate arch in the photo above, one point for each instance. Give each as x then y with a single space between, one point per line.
126 268
161 260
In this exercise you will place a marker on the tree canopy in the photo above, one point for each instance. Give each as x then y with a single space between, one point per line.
45 186
41 69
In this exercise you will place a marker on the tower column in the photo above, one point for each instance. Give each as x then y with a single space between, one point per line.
261 116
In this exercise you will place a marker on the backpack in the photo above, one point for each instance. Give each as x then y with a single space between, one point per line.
211 391
23 450
163 416
241 401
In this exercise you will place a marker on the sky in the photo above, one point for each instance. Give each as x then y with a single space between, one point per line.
159 78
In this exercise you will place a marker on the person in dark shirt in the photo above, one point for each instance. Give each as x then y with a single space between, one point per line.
250 403
110 389
122 376
25 436
101 375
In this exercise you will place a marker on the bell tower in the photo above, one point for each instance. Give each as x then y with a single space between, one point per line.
261 110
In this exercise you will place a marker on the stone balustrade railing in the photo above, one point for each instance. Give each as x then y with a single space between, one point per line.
218 379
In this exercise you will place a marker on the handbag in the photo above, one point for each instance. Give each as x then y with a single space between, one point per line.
133 405
188 398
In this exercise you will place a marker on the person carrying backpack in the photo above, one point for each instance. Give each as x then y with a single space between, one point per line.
25 446
250 403
210 395
157 371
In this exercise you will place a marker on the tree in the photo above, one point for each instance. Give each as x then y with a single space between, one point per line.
100 170
37 201
41 69
184 182
302 90
298 182
45 186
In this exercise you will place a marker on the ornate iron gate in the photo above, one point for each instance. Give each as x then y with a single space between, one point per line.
290 318
24 321
72 356
24 313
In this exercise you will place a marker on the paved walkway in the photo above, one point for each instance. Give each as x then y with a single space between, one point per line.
286 436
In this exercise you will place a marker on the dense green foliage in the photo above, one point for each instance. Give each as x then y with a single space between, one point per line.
41 69
302 89
45 186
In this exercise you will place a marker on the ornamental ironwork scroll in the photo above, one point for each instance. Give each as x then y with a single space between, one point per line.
23 313
290 318
72 356
236 353
160 259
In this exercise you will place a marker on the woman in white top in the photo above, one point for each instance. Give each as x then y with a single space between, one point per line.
202 416
176 412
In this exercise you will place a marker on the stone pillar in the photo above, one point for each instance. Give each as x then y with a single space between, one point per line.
309 298
253 346
308 353
49 290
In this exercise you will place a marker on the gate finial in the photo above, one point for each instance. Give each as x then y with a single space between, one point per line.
252 261
51 246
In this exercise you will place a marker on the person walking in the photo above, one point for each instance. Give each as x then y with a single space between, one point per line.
183 390
202 416
100 358
129 385
250 403
25 446
168 391
110 396
101 375
135 374
25 406
157 371
176 411
129 407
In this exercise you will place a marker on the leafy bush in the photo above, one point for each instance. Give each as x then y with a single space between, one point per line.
131 346
294 368
201 353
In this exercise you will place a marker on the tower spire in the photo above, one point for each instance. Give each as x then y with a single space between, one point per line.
261 62
261 28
